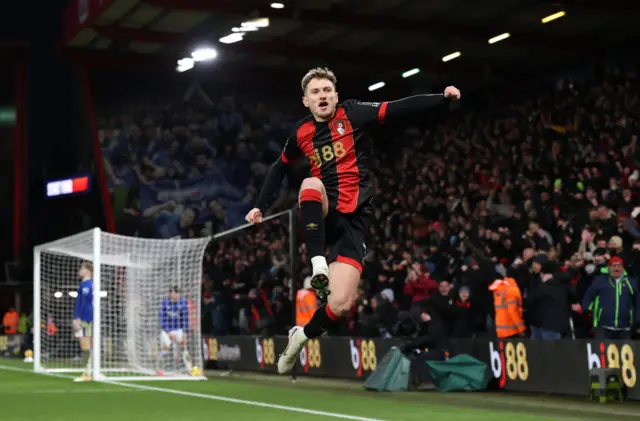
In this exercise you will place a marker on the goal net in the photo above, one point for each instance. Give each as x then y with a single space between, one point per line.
132 277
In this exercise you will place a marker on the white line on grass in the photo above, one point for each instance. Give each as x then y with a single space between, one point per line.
245 402
214 397
26 370
64 391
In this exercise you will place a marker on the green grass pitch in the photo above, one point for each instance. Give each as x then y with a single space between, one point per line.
252 397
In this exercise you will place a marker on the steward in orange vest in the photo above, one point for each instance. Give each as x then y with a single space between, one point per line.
306 303
10 321
507 300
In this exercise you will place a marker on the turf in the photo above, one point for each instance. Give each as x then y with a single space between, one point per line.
240 397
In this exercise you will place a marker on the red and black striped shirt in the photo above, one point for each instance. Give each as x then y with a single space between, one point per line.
340 150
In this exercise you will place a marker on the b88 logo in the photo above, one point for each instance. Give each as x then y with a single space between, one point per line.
614 356
311 356
265 352
509 360
363 355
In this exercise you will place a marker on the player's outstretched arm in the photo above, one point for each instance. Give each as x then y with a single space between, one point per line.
368 112
418 103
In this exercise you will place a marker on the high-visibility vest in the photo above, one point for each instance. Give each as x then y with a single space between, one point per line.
23 326
507 300
306 305
10 322
52 329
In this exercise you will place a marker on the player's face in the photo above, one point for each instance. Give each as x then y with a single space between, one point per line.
174 296
321 98
83 272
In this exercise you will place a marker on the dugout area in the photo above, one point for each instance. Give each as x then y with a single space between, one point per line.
248 396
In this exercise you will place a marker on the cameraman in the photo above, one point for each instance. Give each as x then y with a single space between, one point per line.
430 345
432 342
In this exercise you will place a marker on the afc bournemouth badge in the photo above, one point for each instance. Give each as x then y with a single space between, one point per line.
340 126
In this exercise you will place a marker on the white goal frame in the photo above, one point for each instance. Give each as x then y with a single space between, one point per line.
96 257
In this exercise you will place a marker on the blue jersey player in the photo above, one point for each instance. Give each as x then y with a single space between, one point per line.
174 320
83 317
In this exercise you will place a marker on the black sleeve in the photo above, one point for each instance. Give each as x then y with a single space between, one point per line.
291 149
276 173
380 112
271 184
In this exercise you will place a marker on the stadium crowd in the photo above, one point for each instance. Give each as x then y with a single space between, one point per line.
535 199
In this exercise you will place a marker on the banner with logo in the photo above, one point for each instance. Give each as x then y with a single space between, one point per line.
560 367
324 357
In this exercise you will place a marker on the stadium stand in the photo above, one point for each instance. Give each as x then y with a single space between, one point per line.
537 188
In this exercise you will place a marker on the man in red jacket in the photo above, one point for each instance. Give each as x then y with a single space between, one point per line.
419 285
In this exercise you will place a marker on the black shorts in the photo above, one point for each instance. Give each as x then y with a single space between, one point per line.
347 235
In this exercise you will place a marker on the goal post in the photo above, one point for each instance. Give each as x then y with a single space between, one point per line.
131 279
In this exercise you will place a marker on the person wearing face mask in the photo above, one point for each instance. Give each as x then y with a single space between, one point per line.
614 300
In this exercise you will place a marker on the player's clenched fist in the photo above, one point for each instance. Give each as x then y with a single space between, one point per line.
452 92
254 216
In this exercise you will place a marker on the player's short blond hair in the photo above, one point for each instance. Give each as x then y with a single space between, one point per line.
88 266
318 73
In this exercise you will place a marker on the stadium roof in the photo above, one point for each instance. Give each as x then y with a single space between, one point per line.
388 36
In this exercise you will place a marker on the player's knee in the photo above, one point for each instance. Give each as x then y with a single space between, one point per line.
312 183
312 190
341 303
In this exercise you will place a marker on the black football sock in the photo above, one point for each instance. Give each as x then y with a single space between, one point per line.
312 221
322 320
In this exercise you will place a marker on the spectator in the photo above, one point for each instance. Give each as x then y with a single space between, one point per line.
24 325
418 285
464 321
508 305
552 301
614 301
441 304
10 321
306 303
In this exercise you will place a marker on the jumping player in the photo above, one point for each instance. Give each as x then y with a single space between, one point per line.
174 320
83 318
335 202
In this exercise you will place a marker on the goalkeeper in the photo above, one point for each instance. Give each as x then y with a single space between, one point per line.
83 317
174 320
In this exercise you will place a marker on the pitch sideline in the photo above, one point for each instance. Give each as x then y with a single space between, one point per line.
211 397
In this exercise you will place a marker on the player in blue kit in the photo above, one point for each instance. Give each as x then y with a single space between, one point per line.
83 318
174 320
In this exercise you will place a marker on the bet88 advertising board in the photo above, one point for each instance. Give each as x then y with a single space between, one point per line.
324 357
